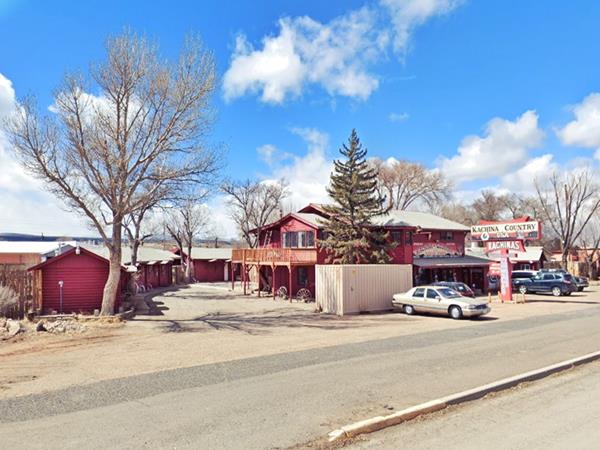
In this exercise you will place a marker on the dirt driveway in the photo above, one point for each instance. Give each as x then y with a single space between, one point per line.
203 324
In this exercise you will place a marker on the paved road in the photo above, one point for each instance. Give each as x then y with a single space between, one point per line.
282 400
559 412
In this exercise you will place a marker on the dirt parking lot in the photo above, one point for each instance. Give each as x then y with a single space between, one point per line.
203 324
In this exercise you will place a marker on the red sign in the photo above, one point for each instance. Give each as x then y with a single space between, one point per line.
511 246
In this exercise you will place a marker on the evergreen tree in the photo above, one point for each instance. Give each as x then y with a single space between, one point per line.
351 238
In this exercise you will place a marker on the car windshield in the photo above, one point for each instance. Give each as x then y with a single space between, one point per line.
448 293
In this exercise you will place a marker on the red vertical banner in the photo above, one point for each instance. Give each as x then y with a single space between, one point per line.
505 276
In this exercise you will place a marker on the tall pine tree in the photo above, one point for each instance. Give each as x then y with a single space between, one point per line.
351 238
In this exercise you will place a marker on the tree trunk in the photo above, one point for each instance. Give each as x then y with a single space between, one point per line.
111 289
134 245
188 266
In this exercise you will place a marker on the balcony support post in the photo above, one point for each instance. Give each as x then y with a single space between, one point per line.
290 282
244 276
273 279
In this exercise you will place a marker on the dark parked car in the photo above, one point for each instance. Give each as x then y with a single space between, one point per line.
556 283
459 287
581 283
519 277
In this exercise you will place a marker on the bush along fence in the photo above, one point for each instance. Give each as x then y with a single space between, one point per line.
17 291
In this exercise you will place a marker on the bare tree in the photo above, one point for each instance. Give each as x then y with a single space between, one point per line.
402 183
568 202
489 206
253 205
139 227
456 212
184 224
106 154
590 241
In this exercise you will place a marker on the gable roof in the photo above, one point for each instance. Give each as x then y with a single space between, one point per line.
417 219
209 253
82 251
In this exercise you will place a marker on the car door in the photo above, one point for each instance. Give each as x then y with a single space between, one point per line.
418 299
433 301
548 280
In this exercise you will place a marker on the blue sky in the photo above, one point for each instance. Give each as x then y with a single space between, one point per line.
483 90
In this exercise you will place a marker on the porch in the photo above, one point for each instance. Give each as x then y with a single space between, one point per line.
271 276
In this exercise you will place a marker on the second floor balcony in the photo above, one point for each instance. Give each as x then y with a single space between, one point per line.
277 256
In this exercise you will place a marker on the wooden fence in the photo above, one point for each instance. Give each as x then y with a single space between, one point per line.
23 284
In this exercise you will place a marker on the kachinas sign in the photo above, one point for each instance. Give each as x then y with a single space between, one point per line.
506 231
494 246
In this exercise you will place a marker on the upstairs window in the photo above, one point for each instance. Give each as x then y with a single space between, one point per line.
396 236
409 238
446 236
298 239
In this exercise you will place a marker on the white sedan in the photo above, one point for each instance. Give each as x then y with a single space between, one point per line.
439 300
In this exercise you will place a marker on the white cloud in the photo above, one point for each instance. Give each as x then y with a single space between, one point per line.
26 207
503 149
406 15
337 56
307 175
584 131
398 117
523 179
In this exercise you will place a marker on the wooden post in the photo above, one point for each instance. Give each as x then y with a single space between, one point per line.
290 282
489 297
244 276
258 270
232 276
273 279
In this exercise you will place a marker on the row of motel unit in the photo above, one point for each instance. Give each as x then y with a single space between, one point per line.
287 256
435 247
78 272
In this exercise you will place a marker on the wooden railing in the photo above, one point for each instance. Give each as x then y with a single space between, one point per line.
274 255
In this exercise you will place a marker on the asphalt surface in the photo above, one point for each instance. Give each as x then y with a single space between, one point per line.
282 400
559 412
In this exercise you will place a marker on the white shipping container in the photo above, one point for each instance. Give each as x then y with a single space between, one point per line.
355 288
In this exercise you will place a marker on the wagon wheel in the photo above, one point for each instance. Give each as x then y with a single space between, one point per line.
282 293
304 295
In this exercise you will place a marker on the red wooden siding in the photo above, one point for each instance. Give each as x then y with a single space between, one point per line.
84 277
205 271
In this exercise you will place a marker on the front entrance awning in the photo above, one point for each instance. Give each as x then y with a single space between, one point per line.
449 262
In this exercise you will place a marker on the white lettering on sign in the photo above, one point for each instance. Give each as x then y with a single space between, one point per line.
516 246
506 230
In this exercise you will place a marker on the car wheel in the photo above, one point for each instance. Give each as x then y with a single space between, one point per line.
556 291
523 289
580 289
408 309
455 312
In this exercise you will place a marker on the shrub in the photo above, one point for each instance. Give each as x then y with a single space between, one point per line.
8 298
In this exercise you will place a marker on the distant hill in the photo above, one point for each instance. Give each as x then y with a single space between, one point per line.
18 237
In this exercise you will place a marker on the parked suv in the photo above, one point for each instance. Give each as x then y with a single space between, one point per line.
519 277
556 283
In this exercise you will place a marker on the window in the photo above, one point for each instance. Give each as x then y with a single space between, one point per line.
419 292
431 293
298 239
302 276
446 235
525 267
548 276
409 238
396 236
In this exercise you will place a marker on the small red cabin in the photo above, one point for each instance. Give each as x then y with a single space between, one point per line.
79 275
210 264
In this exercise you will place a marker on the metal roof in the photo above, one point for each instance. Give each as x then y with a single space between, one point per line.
418 219
458 261
209 253
145 254
32 247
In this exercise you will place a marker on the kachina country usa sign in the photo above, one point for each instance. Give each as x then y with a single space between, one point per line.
506 231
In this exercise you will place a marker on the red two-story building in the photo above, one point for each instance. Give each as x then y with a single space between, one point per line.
289 250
